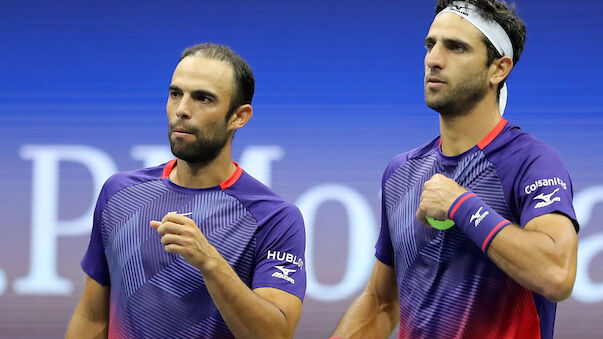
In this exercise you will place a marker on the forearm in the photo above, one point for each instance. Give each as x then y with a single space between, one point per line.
535 261
541 256
81 326
368 317
262 313
247 314
91 316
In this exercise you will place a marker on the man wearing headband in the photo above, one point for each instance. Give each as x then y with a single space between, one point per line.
510 253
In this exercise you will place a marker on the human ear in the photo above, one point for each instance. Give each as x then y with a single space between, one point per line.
240 116
500 69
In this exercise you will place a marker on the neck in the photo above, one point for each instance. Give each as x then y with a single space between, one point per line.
461 133
194 175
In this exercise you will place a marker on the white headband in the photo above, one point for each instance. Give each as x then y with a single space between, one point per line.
493 32
490 28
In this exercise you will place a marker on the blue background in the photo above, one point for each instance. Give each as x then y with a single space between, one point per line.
339 88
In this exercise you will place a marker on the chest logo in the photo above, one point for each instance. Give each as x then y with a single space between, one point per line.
547 199
478 216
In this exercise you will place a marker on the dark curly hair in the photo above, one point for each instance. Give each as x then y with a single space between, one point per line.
505 16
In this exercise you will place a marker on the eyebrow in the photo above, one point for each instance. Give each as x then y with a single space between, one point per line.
448 41
196 93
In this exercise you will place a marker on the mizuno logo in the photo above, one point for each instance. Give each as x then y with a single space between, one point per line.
478 217
546 199
284 273
459 9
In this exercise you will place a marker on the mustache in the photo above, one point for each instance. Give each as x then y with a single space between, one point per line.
182 125
435 73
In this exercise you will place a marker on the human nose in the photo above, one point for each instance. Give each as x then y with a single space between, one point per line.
435 58
184 107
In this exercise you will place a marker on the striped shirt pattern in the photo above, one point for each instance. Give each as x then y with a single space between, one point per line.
448 288
155 294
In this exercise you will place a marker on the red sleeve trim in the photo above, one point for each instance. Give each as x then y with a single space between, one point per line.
493 133
168 169
459 203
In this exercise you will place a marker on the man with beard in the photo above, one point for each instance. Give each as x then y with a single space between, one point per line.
195 248
511 252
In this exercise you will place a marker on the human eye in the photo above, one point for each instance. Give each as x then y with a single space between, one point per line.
175 94
457 47
203 97
429 45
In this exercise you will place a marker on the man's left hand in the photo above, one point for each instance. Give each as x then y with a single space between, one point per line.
438 194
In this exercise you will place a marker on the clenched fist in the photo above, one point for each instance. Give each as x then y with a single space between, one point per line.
182 236
438 194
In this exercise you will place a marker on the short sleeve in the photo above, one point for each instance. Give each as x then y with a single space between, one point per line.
384 250
94 262
545 187
280 255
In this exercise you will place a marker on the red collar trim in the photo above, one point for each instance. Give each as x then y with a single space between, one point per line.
224 185
235 176
488 138
493 134
168 169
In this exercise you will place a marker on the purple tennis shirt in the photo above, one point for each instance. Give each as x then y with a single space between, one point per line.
259 234
447 287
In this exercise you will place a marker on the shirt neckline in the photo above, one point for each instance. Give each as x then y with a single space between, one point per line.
480 145
165 176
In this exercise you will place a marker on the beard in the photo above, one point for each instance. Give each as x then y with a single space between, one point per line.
207 145
457 100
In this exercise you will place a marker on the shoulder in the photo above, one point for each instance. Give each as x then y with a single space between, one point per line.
121 180
263 203
532 174
403 158
521 149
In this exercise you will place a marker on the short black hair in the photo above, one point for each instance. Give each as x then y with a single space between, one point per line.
244 81
506 17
